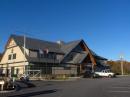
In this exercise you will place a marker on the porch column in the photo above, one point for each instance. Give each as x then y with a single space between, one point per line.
80 68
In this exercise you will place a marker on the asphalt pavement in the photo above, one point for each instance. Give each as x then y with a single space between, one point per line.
83 87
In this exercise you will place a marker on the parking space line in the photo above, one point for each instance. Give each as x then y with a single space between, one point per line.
119 91
121 87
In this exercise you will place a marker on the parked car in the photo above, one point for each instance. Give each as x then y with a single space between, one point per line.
105 73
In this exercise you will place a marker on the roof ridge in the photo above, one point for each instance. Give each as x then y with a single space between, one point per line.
14 35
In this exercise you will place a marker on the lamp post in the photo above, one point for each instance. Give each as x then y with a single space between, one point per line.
122 69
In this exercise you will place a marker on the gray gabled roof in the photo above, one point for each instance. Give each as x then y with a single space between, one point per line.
65 48
77 59
36 44
68 47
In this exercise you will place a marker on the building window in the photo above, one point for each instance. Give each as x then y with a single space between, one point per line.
17 71
50 55
67 68
71 56
41 55
59 56
46 55
9 57
14 56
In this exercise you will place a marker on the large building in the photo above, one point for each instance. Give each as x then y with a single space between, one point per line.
27 55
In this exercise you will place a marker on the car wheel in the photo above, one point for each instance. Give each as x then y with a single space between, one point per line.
109 75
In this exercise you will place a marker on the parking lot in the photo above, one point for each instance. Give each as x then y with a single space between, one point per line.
83 87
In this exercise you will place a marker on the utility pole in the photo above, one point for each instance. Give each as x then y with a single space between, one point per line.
26 68
122 67
24 45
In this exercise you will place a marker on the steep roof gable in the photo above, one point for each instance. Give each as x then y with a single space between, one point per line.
66 48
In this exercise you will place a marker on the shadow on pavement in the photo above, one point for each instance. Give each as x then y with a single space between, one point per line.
21 85
35 93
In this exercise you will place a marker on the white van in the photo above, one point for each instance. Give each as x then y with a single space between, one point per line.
105 73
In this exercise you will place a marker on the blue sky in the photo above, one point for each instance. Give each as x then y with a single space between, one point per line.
103 24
